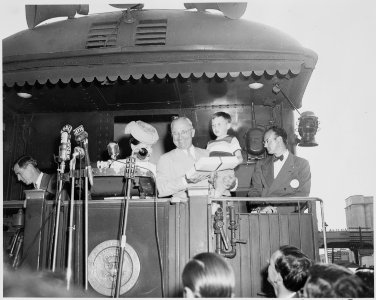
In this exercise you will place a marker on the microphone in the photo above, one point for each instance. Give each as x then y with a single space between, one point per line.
81 137
79 153
113 150
65 144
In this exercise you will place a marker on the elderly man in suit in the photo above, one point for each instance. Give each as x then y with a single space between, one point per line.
172 166
281 174
27 171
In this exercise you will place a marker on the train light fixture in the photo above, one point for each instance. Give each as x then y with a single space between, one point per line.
24 95
307 128
308 122
254 135
255 85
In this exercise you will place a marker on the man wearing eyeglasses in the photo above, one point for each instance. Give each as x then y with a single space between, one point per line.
281 174
172 166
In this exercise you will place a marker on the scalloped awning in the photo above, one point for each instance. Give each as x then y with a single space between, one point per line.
78 66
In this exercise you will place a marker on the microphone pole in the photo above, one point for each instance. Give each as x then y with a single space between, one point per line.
81 137
78 152
129 174
64 154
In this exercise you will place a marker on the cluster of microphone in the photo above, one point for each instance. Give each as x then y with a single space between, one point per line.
80 152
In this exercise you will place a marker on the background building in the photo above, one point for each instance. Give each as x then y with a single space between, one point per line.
355 243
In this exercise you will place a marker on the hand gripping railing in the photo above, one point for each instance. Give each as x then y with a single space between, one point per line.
290 200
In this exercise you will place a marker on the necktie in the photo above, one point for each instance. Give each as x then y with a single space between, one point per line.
276 158
187 152
192 154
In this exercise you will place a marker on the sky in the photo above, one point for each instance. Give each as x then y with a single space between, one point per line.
342 33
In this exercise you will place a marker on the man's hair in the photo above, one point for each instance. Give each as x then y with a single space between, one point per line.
222 114
333 281
181 118
279 131
367 276
24 161
209 275
293 265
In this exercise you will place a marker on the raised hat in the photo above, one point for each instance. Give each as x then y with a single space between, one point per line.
143 132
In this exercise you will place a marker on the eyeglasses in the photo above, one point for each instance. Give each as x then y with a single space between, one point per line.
183 133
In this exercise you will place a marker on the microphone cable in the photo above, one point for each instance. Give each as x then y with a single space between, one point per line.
156 229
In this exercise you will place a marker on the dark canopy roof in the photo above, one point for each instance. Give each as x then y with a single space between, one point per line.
157 44
174 42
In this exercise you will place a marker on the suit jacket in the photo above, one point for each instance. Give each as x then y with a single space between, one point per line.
48 183
294 179
171 169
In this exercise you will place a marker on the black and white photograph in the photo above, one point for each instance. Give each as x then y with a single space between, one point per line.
115 178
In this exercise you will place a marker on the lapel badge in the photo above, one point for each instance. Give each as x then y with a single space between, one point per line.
294 183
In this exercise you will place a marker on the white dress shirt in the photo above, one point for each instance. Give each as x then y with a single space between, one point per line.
190 151
279 163
38 181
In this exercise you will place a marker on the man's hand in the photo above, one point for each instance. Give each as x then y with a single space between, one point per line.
197 177
253 192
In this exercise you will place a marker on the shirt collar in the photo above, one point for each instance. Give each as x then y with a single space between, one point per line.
191 150
285 155
292 295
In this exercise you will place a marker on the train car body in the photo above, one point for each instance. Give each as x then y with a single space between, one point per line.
103 71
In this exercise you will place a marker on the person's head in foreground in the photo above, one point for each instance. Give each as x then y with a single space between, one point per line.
208 275
333 281
288 271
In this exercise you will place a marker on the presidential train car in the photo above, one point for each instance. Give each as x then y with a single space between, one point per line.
97 73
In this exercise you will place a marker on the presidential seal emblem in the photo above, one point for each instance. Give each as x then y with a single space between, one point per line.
103 265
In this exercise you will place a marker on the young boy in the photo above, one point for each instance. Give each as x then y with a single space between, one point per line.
223 145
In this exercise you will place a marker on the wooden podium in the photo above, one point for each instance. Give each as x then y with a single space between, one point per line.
199 219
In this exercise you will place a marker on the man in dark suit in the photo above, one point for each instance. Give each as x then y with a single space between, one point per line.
27 171
281 174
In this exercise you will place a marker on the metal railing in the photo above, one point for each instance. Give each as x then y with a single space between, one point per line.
289 200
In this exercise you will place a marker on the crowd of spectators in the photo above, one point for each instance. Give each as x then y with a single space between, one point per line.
290 272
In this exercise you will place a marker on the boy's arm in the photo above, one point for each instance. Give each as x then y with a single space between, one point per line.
239 156
237 150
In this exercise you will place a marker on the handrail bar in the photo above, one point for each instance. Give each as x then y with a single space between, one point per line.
284 200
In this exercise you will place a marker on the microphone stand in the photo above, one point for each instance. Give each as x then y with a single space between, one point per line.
57 218
88 176
86 224
71 227
129 175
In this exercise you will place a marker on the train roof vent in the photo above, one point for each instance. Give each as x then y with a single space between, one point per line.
102 35
151 32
